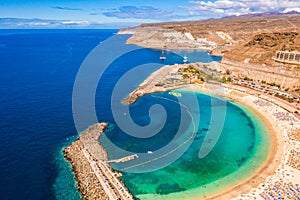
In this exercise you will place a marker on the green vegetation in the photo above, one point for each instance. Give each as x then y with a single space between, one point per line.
225 80
246 78
192 73
201 72
192 69
228 72
290 100
274 84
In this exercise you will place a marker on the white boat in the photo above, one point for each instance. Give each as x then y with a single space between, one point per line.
185 58
162 57
150 152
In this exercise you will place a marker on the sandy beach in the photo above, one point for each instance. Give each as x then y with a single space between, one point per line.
280 172
275 173
278 175
274 157
280 124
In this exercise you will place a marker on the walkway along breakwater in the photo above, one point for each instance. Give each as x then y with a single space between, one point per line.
89 160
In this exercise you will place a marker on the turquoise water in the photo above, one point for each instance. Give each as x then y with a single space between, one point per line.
65 186
241 148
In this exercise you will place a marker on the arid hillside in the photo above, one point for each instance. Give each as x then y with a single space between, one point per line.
263 46
224 31
247 43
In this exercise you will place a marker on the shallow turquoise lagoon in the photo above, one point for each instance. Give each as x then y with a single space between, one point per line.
242 146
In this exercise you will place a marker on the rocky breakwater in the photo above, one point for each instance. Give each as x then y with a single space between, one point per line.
87 182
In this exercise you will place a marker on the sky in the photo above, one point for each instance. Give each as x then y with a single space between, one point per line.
123 13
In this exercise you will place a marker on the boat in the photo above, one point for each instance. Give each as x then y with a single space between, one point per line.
162 57
150 152
185 58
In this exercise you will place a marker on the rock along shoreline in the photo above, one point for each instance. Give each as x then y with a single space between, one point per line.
95 178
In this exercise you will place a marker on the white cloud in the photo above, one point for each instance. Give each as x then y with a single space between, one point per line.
239 7
45 23
83 23
39 24
291 9
48 23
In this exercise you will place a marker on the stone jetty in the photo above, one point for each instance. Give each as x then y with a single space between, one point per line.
95 178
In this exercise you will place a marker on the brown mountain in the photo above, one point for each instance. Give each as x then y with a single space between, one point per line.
247 43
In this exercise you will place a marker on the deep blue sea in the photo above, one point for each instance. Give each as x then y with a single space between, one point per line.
37 73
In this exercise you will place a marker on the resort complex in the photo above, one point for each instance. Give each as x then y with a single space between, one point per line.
288 57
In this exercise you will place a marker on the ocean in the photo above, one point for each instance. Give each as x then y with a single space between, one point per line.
38 72
38 69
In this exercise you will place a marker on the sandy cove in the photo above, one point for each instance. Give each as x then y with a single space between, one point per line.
280 170
275 117
274 158
276 172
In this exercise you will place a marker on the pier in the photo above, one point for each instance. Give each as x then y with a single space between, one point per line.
125 159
